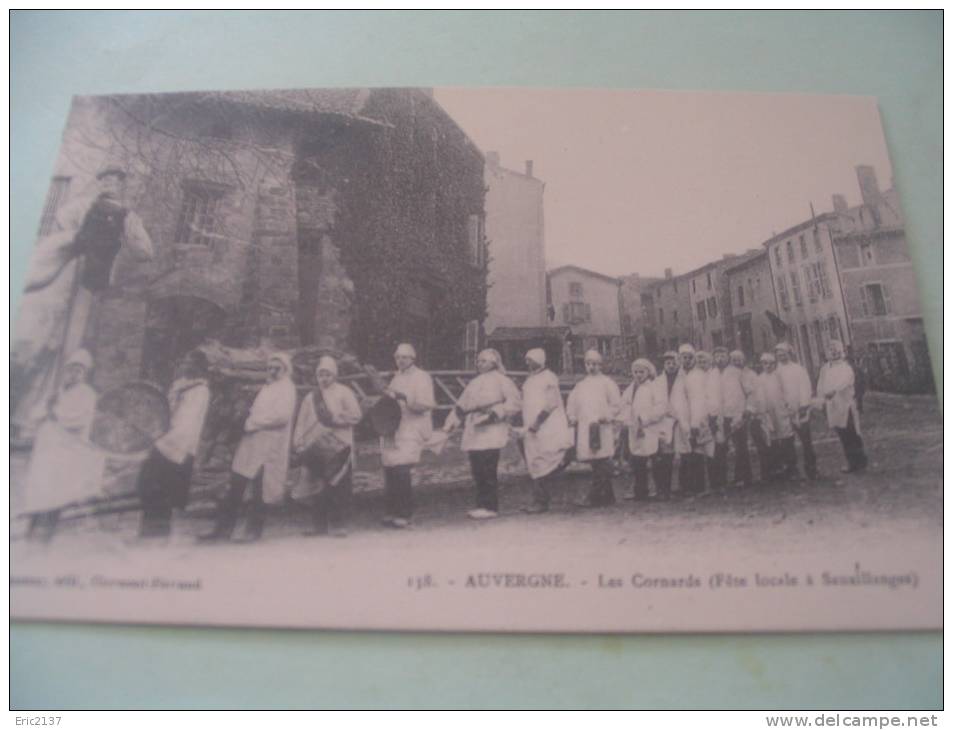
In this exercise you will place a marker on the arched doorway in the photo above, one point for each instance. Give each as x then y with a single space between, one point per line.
175 325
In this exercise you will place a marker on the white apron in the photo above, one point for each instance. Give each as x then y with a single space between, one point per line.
490 387
545 449
698 400
838 377
595 398
648 408
774 411
416 424
65 467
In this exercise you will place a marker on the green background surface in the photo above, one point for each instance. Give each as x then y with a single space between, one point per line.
895 56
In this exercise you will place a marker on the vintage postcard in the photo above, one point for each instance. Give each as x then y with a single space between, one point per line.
475 359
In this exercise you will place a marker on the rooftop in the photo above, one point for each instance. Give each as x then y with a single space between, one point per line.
585 272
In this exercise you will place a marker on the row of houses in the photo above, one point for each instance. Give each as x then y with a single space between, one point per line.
845 274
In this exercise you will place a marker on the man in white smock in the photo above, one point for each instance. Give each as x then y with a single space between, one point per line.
484 408
546 434
701 441
260 465
835 385
413 390
796 386
644 409
592 409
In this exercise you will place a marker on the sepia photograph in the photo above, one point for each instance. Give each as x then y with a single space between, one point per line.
478 359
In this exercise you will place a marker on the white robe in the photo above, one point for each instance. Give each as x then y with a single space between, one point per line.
647 408
674 429
698 400
595 398
796 387
416 426
188 402
267 439
545 449
65 467
734 398
485 388
773 408
837 381
346 413
715 396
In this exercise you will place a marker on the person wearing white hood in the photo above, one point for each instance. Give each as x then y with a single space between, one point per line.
260 465
484 408
836 385
328 414
65 468
545 432
413 389
593 408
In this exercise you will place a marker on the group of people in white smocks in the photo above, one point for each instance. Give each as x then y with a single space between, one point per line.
698 410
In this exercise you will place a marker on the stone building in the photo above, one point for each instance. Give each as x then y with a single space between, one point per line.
880 289
589 303
349 218
668 315
710 302
517 253
809 301
752 303
638 316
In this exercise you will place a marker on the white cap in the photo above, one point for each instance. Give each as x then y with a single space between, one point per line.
328 364
537 355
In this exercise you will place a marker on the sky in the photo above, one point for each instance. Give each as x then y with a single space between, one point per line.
644 180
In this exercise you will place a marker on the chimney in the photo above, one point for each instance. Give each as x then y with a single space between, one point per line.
529 168
493 158
869 189
668 273
840 203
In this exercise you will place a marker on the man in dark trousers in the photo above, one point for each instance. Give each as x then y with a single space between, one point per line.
664 459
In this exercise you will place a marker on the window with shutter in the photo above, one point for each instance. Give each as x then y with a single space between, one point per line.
863 301
796 288
783 293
